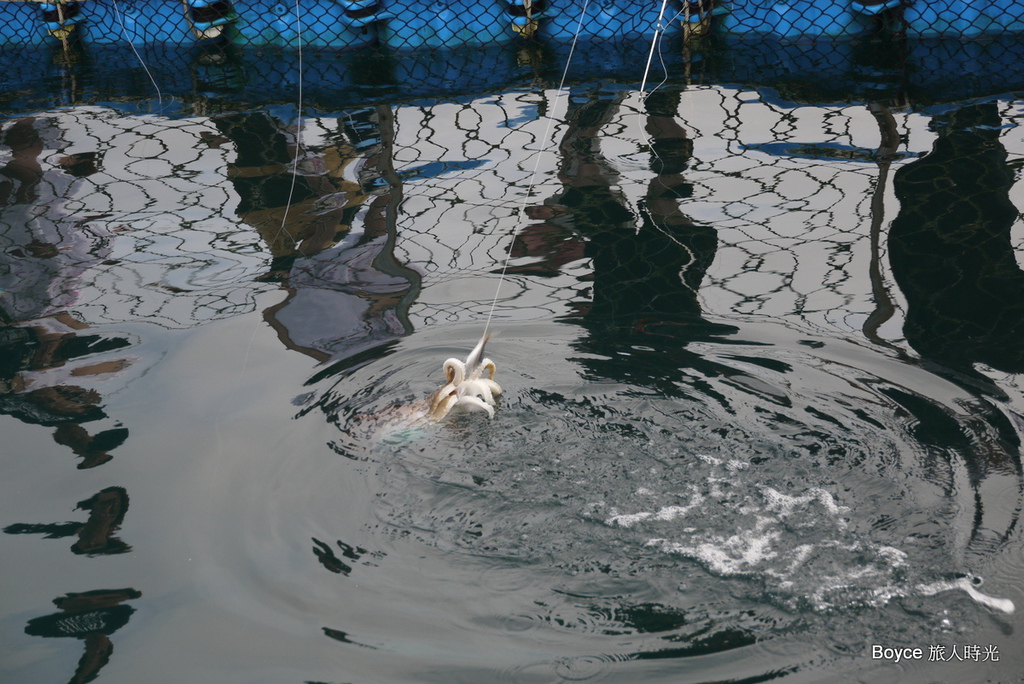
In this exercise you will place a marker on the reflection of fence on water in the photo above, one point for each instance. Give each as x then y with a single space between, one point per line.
791 191
159 202
189 216
779 183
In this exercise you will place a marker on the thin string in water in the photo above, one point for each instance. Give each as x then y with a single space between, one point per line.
659 32
536 167
299 121
138 56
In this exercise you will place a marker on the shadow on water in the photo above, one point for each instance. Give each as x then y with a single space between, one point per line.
665 485
951 252
803 493
648 261
951 255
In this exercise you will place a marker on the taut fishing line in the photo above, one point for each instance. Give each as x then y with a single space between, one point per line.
299 122
659 32
655 47
536 167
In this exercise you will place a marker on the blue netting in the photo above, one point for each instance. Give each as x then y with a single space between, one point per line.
415 24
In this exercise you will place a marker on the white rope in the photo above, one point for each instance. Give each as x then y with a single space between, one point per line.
536 167
659 32
655 42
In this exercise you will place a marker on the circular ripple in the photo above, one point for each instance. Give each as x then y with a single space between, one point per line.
582 668
587 668
585 507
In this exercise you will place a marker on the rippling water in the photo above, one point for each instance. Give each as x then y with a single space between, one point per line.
761 367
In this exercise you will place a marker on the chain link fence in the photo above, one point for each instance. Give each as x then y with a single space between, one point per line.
373 48
414 24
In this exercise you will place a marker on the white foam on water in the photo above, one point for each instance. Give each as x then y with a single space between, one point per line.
665 513
894 556
884 594
739 554
785 504
801 545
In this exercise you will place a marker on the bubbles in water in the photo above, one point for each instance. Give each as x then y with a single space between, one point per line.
798 545
614 510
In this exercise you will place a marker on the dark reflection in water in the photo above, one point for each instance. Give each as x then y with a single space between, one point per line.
45 371
38 349
648 261
881 65
950 247
95 536
43 252
297 200
342 299
951 256
329 559
91 616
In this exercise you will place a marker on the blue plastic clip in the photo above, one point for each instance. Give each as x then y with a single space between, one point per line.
59 18
362 12
870 10
210 17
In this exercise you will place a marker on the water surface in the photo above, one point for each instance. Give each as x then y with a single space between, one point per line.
762 388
